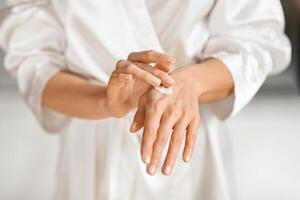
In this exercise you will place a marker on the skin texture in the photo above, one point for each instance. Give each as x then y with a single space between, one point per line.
74 96
175 118
140 77
168 120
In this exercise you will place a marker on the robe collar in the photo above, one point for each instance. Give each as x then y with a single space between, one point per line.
139 23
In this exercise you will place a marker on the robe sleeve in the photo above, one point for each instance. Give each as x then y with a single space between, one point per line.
34 43
248 37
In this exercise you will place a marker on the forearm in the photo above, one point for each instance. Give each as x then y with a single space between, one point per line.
214 81
75 97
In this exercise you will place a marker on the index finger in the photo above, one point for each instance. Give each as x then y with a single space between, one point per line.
151 125
150 56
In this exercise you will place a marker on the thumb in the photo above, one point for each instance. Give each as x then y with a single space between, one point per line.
139 117
116 85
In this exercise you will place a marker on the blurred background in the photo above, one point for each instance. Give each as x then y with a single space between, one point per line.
266 137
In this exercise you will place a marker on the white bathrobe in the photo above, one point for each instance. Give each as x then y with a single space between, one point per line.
101 159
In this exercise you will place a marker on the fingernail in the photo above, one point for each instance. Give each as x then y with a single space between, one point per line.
187 158
167 170
146 160
156 82
152 169
133 127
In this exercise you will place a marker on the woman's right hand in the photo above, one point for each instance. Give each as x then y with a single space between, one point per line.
134 76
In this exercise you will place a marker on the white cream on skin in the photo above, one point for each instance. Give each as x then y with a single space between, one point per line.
164 90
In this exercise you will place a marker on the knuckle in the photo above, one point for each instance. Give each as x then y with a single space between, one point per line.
186 115
175 111
161 142
191 142
175 142
155 105
120 63
191 135
149 130
193 138
155 159
129 66
131 55
150 53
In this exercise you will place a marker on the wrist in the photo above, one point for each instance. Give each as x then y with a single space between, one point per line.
102 107
187 79
212 80
198 76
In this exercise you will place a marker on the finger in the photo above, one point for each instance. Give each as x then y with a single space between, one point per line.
165 78
139 117
166 69
126 67
151 125
191 136
174 146
161 140
152 56
122 78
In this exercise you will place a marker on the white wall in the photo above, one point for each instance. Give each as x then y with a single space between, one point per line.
27 154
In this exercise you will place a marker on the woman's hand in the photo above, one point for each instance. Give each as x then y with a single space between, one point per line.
134 76
175 117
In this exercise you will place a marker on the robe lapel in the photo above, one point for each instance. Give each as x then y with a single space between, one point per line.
140 24
119 28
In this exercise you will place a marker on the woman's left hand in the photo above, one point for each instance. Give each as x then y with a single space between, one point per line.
163 116
135 76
